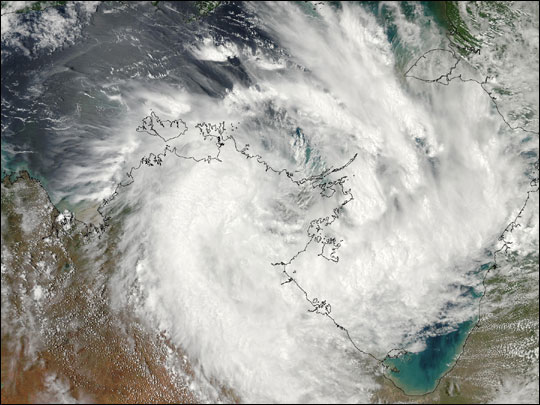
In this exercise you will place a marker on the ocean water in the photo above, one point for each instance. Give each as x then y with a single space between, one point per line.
419 373
433 182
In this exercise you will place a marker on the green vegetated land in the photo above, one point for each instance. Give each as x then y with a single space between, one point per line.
469 23
501 348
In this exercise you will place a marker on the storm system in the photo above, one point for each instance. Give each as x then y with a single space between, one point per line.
302 194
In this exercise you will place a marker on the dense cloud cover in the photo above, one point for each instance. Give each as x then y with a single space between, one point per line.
437 175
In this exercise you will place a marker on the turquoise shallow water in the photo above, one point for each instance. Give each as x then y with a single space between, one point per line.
419 373
12 168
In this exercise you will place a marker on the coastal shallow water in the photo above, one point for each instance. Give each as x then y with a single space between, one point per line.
419 373
430 174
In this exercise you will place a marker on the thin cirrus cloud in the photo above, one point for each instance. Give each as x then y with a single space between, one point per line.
433 185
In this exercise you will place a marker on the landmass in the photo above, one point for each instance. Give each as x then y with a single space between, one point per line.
502 352
487 358
501 346
217 135
61 339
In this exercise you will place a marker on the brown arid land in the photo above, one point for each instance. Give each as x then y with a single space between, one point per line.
61 341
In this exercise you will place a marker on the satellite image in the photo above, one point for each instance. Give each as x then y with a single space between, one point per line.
270 202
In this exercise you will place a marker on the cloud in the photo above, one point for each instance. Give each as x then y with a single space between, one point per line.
433 186
45 30
437 176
